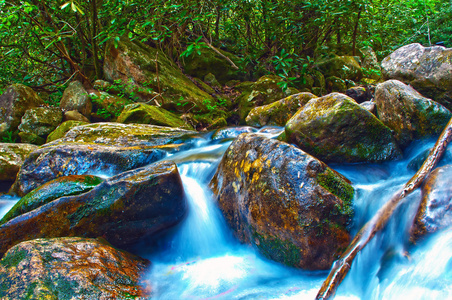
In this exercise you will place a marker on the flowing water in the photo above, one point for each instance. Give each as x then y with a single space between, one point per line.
201 259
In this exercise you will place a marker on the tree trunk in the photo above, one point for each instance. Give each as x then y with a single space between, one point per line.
379 221
355 31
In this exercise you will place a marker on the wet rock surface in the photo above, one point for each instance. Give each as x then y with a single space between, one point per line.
289 205
123 209
334 128
409 114
72 268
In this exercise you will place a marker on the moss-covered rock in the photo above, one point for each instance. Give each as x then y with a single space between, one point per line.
61 130
72 268
124 209
279 112
199 65
289 205
427 69
434 211
334 128
41 120
54 189
262 92
211 80
134 65
73 115
409 114
100 149
75 97
12 157
31 138
359 93
141 113
14 102
335 84
344 67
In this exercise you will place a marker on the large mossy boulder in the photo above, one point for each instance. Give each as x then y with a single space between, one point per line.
62 129
54 189
104 149
14 102
279 112
209 61
141 113
434 212
289 205
344 67
427 69
409 114
12 157
75 97
72 268
124 209
41 121
134 65
334 128
262 92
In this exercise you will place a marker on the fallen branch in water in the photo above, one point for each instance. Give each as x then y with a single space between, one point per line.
379 221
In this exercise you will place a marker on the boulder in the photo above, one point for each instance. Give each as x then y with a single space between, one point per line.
14 102
289 205
31 138
12 156
75 97
369 106
359 93
231 132
427 69
344 67
72 268
262 92
334 128
63 128
209 61
434 211
134 65
49 191
104 149
74 115
41 120
141 113
410 115
279 112
336 84
124 209
212 81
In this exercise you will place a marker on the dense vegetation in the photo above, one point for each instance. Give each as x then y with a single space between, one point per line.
44 44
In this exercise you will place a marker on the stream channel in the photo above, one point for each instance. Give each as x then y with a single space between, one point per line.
201 259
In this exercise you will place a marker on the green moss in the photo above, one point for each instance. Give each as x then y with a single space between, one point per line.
279 250
13 258
339 187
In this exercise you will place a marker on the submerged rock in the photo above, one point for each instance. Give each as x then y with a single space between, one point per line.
279 112
14 102
75 97
72 268
103 149
334 128
12 157
54 189
427 69
124 209
134 65
410 115
142 113
288 204
434 211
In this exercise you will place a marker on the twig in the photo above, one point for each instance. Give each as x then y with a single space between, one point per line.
379 221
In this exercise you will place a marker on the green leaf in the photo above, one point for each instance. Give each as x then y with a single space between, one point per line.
65 5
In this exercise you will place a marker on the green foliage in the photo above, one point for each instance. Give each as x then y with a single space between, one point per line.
9 137
196 46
